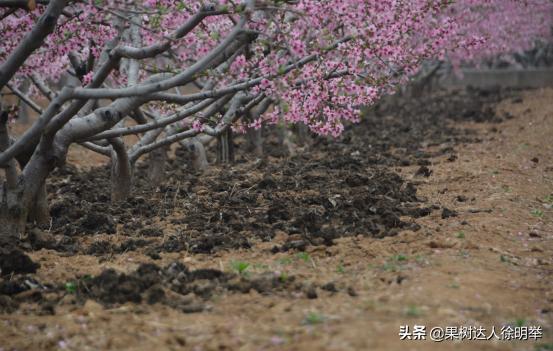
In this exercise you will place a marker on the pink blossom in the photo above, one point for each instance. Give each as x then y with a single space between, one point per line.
197 126
360 49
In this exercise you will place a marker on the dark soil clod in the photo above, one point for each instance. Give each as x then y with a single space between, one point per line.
446 213
14 261
423 171
461 198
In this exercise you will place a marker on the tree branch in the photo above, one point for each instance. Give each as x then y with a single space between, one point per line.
102 150
160 123
25 98
32 41
180 79
10 169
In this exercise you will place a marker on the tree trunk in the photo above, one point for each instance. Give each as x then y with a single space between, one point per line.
199 156
13 215
23 113
121 172
255 141
225 147
302 134
13 212
39 212
284 140
156 165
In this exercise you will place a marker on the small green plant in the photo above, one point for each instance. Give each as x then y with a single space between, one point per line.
507 189
283 277
340 269
504 259
395 262
537 213
71 287
399 258
520 322
460 235
548 199
240 267
313 318
544 347
304 256
454 285
389 267
413 311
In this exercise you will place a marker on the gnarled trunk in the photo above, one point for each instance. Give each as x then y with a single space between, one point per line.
255 141
39 212
13 214
156 165
121 172
225 147
197 151
302 135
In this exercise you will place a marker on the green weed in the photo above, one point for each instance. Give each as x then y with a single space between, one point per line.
240 267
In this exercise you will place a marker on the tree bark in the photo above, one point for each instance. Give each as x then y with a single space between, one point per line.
39 213
156 165
225 147
197 150
255 141
13 215
121 172
23 113
302 134
284 139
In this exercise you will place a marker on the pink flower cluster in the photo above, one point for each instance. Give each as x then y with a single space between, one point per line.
84 31
358 50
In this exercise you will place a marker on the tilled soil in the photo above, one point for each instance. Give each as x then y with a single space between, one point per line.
331 189
290 206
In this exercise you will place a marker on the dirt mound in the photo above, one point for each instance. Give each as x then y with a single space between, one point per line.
14 261
315 198
173 285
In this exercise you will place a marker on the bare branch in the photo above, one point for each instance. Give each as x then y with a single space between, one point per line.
174 135
160 123
103 150
167 141
42 87
29 137
24 98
